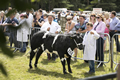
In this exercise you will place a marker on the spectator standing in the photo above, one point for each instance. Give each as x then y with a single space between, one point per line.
12 21
70 28
2 19
100 28
29 21
75 18
92 19
107 21
45 17
81 27
38 22
41 13
112 28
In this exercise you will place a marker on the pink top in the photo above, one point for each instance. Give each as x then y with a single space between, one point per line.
100 28
106 29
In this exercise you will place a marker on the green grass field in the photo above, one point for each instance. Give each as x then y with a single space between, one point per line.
18 69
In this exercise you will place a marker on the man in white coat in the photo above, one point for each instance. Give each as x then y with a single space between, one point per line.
29 21
89 41
52 27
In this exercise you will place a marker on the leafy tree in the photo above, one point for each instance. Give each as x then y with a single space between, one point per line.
16 4
106 5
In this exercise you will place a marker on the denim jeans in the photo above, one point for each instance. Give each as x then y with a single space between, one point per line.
23 48
91 66
13 39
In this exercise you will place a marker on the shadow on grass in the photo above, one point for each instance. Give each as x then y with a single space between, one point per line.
72 61
99 69
82 65
46 61
17 53
89 75
51 73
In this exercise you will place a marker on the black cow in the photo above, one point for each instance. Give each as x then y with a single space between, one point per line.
60 43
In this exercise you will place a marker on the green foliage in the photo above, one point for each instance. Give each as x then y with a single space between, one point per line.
20 5
81 9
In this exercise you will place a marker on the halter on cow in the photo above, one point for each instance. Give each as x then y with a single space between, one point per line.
56 43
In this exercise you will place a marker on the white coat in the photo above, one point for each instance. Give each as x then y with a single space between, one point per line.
22 32
29 21
89 41
53 27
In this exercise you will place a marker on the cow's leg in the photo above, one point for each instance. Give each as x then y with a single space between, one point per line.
63 64
68 62
40 51
32 54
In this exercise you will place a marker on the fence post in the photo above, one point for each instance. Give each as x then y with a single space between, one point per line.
118 72
111 52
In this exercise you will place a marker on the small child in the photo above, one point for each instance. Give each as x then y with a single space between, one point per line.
89 41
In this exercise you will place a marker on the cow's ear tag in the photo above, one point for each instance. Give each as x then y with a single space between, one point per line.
70 52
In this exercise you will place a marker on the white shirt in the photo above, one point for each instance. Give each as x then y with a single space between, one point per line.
75 19
53 27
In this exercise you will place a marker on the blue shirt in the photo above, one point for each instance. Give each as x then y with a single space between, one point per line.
118 26
113 23
78 26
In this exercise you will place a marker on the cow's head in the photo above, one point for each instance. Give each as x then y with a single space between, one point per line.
78 38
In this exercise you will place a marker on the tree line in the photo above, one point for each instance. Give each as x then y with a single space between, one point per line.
106 5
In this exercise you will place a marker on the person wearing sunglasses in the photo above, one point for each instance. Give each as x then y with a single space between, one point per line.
92 18
69 25
70 29
100 28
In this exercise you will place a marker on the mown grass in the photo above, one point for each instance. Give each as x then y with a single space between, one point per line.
18 68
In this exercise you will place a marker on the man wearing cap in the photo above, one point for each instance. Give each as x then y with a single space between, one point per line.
52 27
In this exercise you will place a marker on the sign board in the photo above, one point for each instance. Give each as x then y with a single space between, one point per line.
97 10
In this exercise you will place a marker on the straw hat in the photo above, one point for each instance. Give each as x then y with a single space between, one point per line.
69 17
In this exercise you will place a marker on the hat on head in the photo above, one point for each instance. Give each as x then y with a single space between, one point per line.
2 12
69 17
45 14
50 14
23 15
